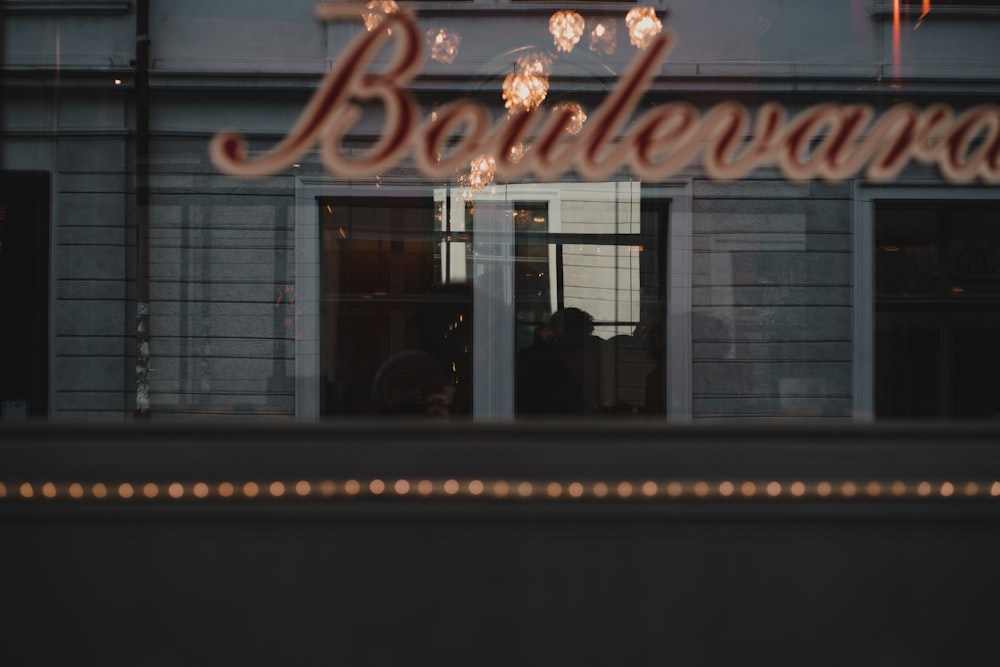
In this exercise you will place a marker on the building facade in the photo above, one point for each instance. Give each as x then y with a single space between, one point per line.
152 272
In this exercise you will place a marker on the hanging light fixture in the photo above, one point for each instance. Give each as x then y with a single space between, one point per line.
522 92
482 171
643 26
516 153
527 86
602 35
376 10
567 29
577 119
537 64
444 44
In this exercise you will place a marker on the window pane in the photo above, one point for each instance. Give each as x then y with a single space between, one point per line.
937 270
382 302
24 283
577 273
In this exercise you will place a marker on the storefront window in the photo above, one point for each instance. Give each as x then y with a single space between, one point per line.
937 310
572 277
499 210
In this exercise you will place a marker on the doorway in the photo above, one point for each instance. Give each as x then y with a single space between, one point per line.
24 284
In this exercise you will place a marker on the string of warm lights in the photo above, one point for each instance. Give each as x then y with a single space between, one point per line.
500 489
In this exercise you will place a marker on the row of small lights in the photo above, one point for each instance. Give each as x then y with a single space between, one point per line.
500 489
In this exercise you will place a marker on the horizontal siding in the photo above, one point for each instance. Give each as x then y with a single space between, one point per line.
222 312
93 376
771 300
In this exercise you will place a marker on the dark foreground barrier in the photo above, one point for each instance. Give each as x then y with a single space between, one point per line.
537 544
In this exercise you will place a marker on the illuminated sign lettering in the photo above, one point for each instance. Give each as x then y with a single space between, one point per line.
829 141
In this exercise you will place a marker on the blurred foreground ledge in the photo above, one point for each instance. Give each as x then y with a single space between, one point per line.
584 469
499 544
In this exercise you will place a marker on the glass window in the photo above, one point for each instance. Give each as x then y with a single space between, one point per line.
937 310
572 277
24 284
216 210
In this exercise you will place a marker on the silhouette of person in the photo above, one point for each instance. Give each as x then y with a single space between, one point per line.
557 374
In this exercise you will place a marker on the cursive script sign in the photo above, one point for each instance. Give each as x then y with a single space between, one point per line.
827 141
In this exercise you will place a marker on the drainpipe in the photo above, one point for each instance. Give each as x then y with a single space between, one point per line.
142 209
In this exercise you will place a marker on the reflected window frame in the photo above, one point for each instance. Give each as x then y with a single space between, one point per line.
309 191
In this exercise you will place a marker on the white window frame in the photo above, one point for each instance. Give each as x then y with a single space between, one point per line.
308 191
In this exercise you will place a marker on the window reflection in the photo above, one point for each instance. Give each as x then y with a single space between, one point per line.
937 311
570 281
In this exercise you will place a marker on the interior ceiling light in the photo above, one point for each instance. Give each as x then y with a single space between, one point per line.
444 44
534 63
522 92
567 29
482 171
376 10
643 26
576 121
516 153
527 86
603 38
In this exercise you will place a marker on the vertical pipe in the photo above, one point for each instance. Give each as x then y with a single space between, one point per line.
142 208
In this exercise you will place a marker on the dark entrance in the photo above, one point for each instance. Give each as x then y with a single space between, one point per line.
24 288
937 310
